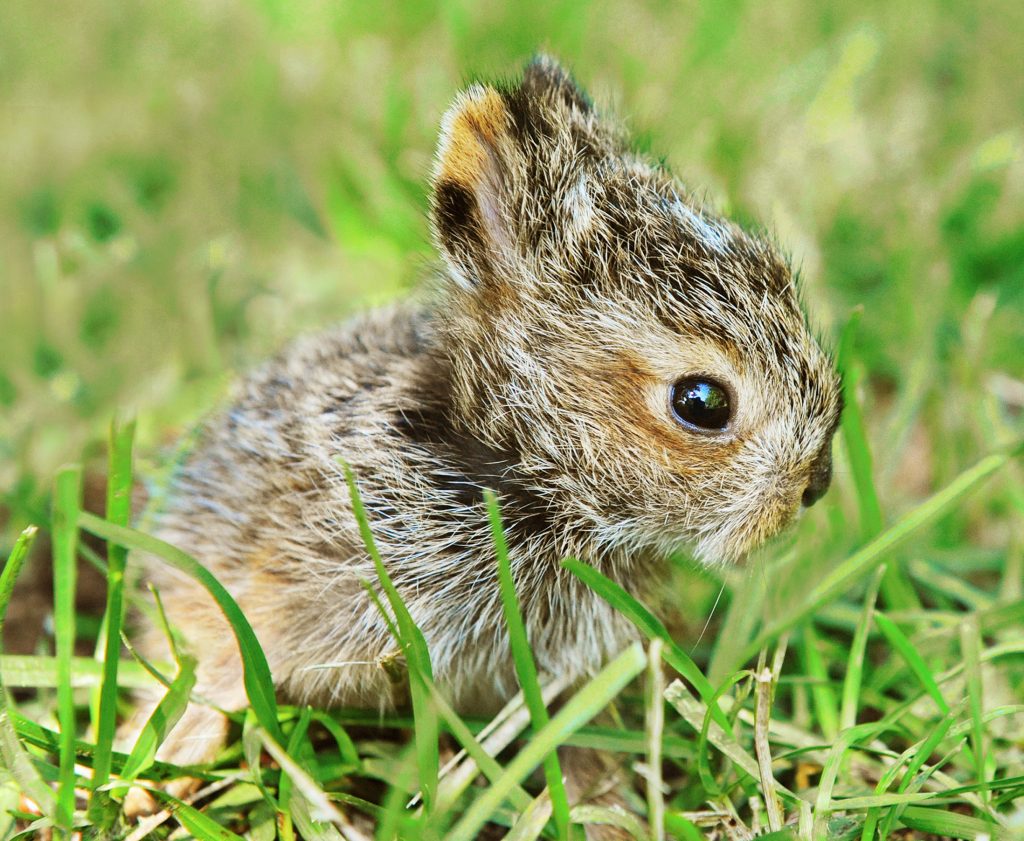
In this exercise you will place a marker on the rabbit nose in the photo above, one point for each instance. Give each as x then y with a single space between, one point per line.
820 476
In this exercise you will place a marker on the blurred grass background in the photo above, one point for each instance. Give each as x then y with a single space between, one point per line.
187 185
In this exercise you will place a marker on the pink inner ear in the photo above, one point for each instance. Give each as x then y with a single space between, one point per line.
478 154
488 194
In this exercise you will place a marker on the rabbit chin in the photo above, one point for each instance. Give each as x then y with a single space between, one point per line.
732 544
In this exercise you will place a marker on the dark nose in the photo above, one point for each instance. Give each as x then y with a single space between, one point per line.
820 477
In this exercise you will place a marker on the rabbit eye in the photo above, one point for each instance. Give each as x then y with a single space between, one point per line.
701 403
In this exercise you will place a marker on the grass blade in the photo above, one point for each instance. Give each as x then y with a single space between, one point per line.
526 669
823 805
15 758
695 713
764 690
252 748
579 709
746 603
651 627
201 826
825 703
591 815
414 646
897 590
706 730
164 716
655 726
39 672
67 501
952 824
532 819
346 748
119 511
854 678
304 785
916 755
49 741
485 763
453 786
898 640
970 648
682 828
259 685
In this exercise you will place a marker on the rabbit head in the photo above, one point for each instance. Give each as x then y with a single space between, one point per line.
643 365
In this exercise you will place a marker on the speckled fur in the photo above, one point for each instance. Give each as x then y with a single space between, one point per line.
579 281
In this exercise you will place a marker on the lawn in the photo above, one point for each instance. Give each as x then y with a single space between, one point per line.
187 186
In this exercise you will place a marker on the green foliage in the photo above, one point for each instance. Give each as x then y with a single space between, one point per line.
259 687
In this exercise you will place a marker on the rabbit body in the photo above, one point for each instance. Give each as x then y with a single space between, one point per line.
580 286
264 504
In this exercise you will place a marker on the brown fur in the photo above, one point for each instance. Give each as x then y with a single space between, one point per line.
579 282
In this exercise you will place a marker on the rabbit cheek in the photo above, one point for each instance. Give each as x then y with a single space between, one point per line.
740 535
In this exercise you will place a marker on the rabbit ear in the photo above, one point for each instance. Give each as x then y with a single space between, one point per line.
547 83
479 165
506 172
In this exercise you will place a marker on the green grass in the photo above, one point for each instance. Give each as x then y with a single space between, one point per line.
66 495
186 188
526 669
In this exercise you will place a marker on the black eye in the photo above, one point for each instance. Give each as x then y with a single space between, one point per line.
701 402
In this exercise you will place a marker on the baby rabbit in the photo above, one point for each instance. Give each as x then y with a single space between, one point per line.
625 370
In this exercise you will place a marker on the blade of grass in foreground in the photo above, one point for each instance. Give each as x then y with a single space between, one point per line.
39 672
526 669
67 496
252 750
532 820
579 709
485 763
682 828
830 772
203 827
746 603
452 786
259 685
297 782
119 511
655 727
48 740
970 649
954 825
898 640
826 706
705 733
869 557
915 757
417 657
695 713
165 715
652 628
855 668
15 758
